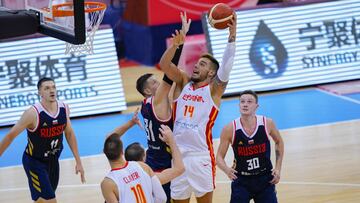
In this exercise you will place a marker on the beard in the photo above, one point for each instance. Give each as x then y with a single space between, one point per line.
195 79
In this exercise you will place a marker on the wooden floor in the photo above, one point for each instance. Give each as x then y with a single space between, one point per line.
322 164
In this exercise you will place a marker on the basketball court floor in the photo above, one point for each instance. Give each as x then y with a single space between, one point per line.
321 131
320 128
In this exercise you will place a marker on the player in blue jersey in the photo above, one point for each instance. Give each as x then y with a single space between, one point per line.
45 123
156 111
252 175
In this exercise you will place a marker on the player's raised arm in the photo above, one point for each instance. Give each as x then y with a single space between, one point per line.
166 65
161 99
120 130
26 121
178 166
222 78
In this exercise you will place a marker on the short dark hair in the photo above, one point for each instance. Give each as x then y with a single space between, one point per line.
134 152
113 147
141 83
251 92
42 80
215 63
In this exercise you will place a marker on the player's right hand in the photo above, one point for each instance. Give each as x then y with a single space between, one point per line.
230 172
232 27
178 38
79 169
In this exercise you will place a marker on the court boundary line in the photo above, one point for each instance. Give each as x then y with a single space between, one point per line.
339 96
217 182
287 129
307 183
321 125
65 159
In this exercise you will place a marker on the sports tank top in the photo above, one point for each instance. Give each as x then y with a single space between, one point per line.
46 139
133 183
158 155
194 114
251 152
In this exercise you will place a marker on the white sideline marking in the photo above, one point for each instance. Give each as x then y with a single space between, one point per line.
339 96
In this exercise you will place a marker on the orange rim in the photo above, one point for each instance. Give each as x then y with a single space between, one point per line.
57 12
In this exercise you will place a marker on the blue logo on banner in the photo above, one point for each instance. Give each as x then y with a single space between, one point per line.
268 55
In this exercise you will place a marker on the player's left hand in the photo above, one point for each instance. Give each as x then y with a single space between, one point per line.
276 176
80 169
135 119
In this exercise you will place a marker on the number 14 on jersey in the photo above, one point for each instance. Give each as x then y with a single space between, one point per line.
189 111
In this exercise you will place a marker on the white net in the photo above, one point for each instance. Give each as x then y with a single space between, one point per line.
92 23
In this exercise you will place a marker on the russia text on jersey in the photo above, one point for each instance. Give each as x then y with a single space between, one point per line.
251 150
52 131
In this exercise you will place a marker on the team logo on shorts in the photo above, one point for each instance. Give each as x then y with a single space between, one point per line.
268 56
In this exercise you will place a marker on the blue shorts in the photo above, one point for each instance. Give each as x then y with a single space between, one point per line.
166 188
256 187
43 177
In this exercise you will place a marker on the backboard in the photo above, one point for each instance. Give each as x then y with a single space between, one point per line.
69 28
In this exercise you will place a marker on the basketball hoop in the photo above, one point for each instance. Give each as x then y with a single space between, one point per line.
95 12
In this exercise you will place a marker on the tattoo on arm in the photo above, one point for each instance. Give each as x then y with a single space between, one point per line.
220 83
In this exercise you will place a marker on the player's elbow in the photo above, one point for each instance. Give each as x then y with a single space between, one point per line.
164 64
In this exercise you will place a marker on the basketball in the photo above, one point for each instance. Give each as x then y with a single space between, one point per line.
220 15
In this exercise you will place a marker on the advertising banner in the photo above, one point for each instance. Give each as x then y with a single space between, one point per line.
89 84
168 11
292 46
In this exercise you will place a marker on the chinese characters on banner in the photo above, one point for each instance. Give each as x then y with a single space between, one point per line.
90 84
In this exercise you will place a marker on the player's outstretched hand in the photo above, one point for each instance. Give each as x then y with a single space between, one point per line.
232 28
135 119
166 134
276 176
79 169
178 38
185 22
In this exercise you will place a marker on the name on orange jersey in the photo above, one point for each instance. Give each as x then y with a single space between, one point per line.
52 131
251 150
131 177
195 98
